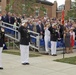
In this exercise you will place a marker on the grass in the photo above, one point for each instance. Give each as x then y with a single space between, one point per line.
71 60
17 52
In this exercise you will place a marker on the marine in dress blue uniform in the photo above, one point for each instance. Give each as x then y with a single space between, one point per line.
54 38
1 45
24 44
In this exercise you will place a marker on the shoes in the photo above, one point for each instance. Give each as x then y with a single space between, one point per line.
25 64
1 68
46 53
54 55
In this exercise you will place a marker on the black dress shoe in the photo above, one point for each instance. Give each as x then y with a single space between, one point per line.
54 55
25 64
46 53
1 68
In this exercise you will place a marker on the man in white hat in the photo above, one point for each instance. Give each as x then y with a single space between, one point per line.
24 44
54 37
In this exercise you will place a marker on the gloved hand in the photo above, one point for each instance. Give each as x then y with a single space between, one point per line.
3 45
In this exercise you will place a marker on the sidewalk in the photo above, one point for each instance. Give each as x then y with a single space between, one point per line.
43 65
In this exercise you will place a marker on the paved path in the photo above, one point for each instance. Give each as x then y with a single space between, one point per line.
43 65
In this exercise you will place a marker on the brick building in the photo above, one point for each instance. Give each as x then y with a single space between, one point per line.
66 8
52 9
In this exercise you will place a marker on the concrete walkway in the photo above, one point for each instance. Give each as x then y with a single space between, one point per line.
43 65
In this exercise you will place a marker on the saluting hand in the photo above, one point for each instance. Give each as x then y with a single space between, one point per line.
2 29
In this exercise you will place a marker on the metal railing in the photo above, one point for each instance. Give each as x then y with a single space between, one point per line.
9 29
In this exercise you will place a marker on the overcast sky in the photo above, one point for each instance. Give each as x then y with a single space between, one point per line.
59 1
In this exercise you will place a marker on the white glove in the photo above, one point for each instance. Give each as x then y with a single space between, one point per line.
3 45
29 43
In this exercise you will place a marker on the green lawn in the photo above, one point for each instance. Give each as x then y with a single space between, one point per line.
17 52
71 60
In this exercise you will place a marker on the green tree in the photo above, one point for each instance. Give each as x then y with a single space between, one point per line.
28 7
21 6
72 12
9 6
24 7
43 9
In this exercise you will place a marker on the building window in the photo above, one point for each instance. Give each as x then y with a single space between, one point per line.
61 7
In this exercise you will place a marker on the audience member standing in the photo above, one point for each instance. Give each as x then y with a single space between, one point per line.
67 40
40 29
46 37
72 39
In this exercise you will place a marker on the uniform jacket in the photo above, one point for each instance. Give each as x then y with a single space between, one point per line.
2 36
25 36
54 34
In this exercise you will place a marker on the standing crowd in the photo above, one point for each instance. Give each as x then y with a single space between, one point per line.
50 29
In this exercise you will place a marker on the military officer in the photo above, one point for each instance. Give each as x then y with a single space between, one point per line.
24 43
1 46
54 37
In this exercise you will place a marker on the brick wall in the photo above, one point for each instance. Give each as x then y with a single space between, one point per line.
51 10
54 9
67 6
59 14
3 4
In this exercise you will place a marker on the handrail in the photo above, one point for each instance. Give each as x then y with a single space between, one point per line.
10 24
9 28
13 28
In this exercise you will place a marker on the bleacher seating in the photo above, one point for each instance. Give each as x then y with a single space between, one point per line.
60 43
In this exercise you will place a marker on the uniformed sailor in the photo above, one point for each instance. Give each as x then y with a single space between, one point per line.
1 45
46 37
54 38
24 44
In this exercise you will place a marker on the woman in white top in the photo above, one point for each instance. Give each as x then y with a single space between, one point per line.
47 37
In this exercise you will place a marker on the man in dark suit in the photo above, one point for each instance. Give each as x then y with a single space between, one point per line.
11 19
40 29
4 17
61 29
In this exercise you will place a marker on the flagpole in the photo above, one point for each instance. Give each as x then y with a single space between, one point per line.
62 20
